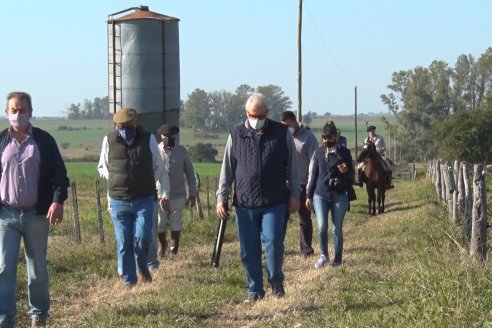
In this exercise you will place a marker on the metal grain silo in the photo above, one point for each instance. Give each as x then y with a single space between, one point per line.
144 66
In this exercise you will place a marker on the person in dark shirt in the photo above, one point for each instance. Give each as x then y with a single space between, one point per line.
341 140
33 188
327 191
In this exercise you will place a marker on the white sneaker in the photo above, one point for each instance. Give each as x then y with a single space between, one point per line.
320 262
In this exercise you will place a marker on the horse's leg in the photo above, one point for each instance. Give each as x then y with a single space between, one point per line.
379 200
371 200
374 195
383 196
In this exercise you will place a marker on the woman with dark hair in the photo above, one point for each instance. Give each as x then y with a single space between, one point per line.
332 170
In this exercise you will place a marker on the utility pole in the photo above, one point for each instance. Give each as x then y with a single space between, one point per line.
356 144
299 64
389 148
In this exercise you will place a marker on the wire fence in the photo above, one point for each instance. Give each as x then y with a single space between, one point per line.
87 215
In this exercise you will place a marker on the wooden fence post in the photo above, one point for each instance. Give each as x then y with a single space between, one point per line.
208 196
467 216
198 201
450 188
456 212
437 182
99 213
478 244
444 169
75 206
216 186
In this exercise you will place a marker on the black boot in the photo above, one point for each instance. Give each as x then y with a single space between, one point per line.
390 178
175 242
163 244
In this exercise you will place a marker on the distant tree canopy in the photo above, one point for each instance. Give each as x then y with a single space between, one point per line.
203 153
466 135
98 108
423 98
218 111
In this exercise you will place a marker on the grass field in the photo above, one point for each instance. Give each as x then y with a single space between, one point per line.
401 269
81 139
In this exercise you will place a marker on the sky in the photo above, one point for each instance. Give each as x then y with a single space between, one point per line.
57 50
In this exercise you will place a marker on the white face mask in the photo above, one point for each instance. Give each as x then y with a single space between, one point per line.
292 130
256 124
19 120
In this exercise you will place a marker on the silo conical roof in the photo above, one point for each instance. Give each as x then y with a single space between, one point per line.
145 13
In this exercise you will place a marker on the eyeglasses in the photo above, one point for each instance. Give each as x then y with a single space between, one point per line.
328 137
259 117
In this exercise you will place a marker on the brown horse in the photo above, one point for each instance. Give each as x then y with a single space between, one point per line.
374 177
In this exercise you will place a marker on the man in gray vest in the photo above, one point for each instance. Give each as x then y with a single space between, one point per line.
259 158
131 163
306 145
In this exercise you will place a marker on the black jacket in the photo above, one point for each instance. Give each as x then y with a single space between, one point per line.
325 173
53 180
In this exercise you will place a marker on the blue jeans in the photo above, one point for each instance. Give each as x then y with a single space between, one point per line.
254 226
132 220
338 205
152 261
33 229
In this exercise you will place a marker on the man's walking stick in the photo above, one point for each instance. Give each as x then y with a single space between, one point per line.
219 239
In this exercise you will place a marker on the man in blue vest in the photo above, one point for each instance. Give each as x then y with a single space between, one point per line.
131 163
260 156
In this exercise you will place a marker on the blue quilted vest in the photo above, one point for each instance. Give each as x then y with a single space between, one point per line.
266 187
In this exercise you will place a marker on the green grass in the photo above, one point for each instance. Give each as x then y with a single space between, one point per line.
401 269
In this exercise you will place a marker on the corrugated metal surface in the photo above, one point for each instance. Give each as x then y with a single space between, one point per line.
146 66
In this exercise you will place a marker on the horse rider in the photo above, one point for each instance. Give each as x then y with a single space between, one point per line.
380 148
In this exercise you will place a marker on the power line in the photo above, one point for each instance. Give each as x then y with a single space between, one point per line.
326 45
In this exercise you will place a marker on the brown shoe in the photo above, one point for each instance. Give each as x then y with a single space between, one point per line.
145 276
38 321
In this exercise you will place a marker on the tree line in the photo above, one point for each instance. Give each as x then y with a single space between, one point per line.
217 111
442 110
97 108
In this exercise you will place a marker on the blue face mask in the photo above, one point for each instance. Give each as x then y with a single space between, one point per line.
127 133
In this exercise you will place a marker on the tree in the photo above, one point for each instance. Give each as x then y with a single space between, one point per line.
227 108
203 153
420 98
87 109
308 117
196 113
73 112
279 103
466 136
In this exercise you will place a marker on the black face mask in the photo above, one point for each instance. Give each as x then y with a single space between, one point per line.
330 143
169 142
